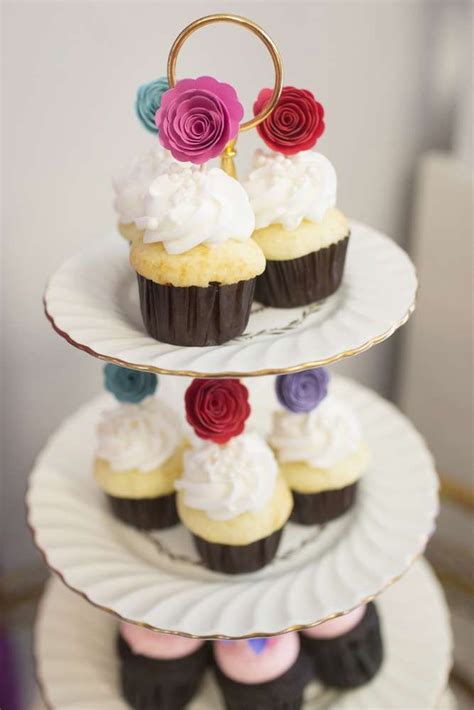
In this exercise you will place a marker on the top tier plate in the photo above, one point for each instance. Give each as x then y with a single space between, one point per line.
92 301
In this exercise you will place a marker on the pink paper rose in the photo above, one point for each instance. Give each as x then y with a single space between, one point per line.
197 118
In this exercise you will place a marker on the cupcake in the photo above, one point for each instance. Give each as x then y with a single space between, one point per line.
139 452
318 444
262 673
303 236
230 496
346 651
131 188
196 263
159 670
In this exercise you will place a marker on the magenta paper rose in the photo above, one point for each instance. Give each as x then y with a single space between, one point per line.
197 118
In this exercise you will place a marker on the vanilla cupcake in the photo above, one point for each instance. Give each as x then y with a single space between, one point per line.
159 670
303 236
196 263
262 672
230 496
319 447
139 452
131 189
347 651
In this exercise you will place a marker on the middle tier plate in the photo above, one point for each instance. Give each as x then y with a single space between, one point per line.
157 580
92 301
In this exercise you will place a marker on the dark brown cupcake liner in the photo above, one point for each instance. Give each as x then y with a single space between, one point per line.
238 559
307 279
283 693
352 659
194 315
146 513
167 684
319 508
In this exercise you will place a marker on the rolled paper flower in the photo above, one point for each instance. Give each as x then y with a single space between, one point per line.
129 385
302 391
258 645
295 123
148 101
198 118
217 409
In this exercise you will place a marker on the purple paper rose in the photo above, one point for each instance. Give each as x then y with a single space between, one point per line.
197 118
302 391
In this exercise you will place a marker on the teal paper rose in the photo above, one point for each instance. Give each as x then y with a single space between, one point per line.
149 101
129 385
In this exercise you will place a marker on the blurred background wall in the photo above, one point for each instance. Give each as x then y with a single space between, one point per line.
395 81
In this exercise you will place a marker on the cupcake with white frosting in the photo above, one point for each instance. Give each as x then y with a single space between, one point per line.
196 263
303 236
139 452
319 446
132 186
230 495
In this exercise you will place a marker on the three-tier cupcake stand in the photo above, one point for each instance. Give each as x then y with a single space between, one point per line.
156 580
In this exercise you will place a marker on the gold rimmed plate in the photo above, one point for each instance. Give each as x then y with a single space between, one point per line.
92 301
157 580
76 662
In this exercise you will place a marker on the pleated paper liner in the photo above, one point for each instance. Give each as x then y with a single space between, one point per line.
238 559
146 513
307 279
319 508
195 315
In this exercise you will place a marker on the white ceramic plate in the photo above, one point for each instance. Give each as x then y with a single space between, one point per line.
92 300
158 580
77 666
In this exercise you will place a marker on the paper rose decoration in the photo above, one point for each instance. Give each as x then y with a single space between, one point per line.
197 118
217 409
295 123
302 391
148 101
129 385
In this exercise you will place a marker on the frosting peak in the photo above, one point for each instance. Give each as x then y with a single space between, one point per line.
288 189
137 436
188 206
230 479
322 438
131 187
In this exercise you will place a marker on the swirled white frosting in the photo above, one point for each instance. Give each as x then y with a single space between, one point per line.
137 436
188 206
321 438
132 187
288 189
230 479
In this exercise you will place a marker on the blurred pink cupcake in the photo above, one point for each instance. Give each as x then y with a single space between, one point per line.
346 651
159 670
262 673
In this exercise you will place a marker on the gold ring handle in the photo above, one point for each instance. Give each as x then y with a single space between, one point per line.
249 25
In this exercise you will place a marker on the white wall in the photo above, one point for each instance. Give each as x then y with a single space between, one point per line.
70 74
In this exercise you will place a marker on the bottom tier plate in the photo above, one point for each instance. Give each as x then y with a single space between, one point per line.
77 667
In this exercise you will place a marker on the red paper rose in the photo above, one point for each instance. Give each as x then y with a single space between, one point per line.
217 409
296 122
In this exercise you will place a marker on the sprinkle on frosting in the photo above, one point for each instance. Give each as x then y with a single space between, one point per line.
138 436
322 438
131 188
188 206
217 409
287 190
226 481
129 385
302 391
